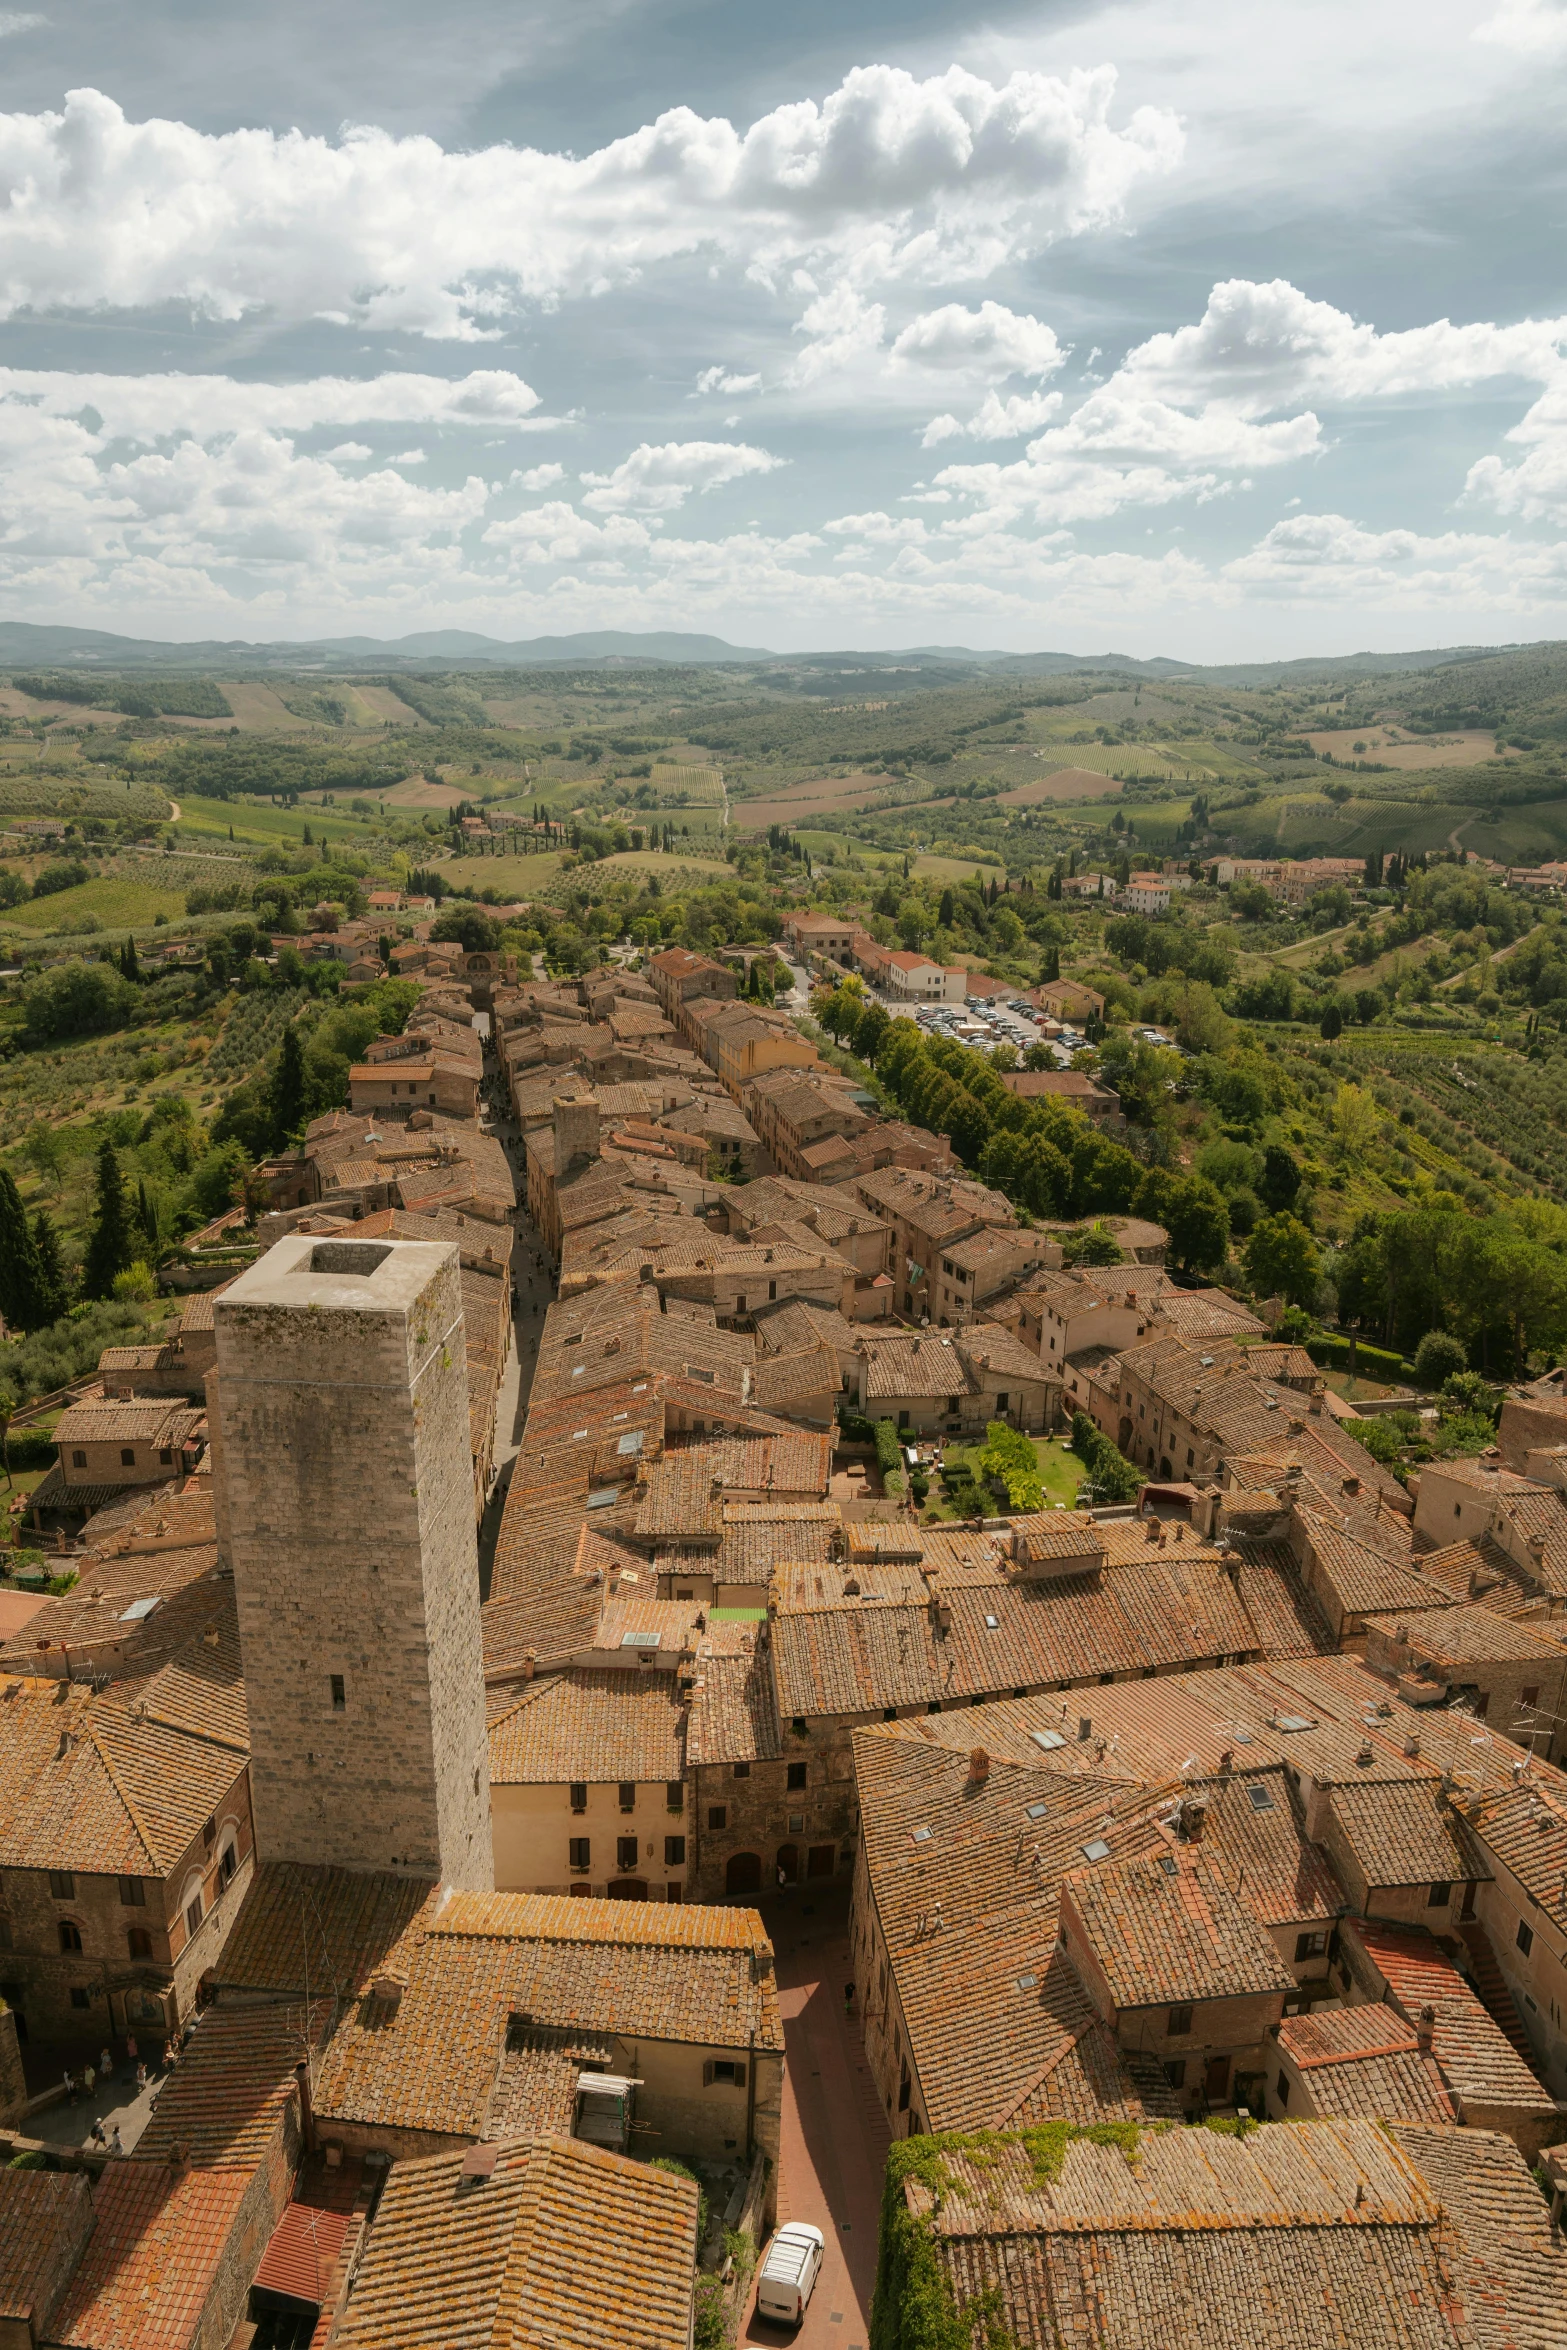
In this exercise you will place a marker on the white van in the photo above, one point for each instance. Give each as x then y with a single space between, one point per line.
789 2273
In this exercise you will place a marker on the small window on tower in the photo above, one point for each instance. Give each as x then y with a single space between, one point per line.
339 1694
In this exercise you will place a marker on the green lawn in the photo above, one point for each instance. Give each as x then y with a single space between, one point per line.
1060 1468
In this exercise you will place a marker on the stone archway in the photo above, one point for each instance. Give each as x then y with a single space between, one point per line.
788 1864
743 1873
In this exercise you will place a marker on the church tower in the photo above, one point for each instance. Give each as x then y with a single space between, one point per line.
342 1444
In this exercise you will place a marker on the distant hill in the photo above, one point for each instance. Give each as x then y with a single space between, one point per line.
26 644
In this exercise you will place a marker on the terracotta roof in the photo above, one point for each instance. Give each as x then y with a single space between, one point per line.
1365 2060
734 1715
151 2263
86 1786
563 2246
1506 2257
152 1420
634 1969
330 1929
1161 1933
43 2215
1325 2230
928 1366
225 2099
1478 2061
1407 1833
601 1727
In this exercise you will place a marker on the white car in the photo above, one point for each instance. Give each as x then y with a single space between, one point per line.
788 2275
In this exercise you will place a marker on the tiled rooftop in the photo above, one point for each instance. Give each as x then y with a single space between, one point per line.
598 1726
563 2246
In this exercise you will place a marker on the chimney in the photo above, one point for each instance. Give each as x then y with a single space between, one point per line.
307 2111
943 1614
978 1767
530 1665
1194 1821
1352 1485
1365 1753
1425 2030
1227 1761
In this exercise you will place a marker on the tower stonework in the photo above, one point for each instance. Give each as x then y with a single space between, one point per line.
343 1445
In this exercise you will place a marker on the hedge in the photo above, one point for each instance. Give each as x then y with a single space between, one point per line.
30 1448
889 1457
1373 1362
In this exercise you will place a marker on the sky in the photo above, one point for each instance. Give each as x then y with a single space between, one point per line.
1161 328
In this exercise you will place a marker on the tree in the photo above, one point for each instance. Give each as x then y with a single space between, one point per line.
1198 1222
1332 1022
469 927
21 1276
1438 1358
1281 1261
287 1103
1280 1177
54 1287
109 1246
1356 1120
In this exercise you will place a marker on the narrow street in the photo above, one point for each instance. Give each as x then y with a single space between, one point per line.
534 1292
834 2140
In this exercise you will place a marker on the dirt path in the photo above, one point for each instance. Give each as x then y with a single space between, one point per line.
174 811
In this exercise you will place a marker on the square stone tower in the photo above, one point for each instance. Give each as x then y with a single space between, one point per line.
342 1445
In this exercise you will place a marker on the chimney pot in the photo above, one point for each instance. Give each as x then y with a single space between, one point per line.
1195 1820
978 1767
1425 2030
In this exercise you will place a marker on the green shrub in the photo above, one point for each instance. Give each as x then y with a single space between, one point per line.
1111 1475
1011 1458
1438 1357
714 2327
855 1427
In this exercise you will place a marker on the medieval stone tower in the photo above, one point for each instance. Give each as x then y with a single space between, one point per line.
342 1445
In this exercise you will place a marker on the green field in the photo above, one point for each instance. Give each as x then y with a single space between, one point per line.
655 861
955 868
521 876
112 903
1060 1467
254 821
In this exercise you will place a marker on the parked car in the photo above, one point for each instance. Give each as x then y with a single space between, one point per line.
788 2275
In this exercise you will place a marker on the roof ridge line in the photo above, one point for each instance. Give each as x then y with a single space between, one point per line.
136 1819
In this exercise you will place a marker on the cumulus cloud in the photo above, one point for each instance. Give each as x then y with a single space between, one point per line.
1535 488
721 379
990 342
996 419
843 330
155 407
1261 347
348 453
926 178
658 480
1332 558
17 20
540 477
1535 28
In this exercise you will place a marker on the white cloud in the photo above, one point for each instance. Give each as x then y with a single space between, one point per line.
1259 347
658 480
348 453
721 379
17 20
924 178
1535 28
155 407
409 457
540 477
844 331
990 342
1330 558
1536 488
996 419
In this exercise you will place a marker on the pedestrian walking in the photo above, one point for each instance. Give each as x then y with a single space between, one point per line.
115 2147
106 2061
89 2080
70 2084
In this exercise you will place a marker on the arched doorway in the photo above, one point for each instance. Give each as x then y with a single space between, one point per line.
788 1864
744 1873
627 1889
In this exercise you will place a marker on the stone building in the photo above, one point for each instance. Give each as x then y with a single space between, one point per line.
344 1464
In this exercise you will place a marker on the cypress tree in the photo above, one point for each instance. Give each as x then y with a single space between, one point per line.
109 1247
287 1104
54 1288
21 1282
